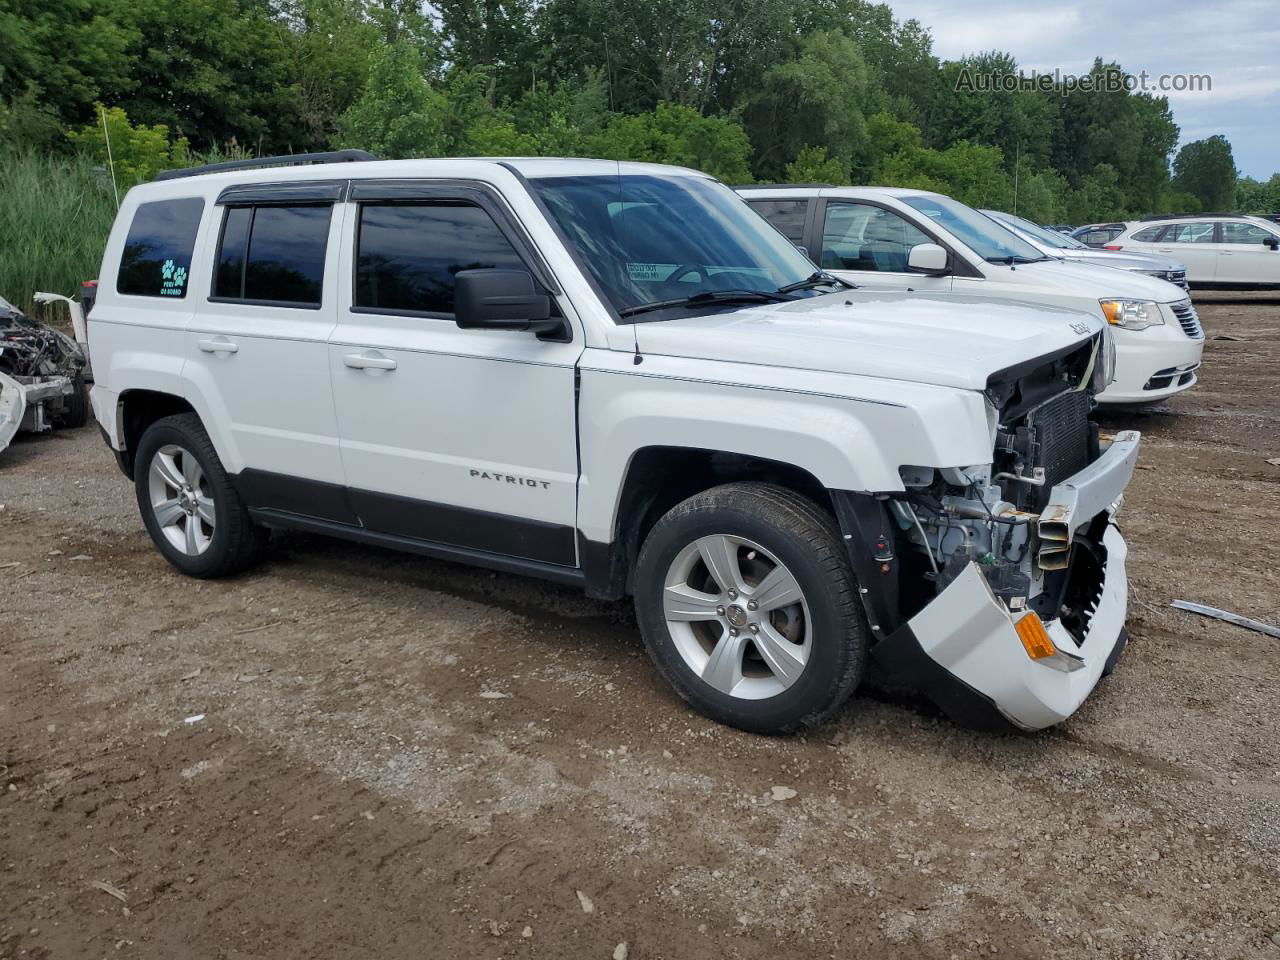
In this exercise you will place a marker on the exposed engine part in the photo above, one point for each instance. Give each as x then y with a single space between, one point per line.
41 376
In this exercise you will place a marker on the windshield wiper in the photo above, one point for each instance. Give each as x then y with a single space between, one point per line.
1011 261
814 280
707 297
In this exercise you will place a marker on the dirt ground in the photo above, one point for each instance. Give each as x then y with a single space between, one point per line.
402 758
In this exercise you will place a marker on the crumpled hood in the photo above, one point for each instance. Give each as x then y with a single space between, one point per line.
951 341
1125 261
1091 280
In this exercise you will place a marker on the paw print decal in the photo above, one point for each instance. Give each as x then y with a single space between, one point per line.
166 270
180 277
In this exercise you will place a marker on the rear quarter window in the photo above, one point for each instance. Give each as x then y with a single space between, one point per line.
156 261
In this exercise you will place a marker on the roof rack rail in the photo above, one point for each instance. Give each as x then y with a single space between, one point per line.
1187 216
287 160
778 186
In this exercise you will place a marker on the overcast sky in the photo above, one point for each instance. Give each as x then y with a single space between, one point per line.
1236 42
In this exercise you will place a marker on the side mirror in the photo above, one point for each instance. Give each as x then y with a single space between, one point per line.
495 299
929 259
1272 242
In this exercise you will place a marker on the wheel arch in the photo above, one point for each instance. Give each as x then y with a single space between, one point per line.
136 410
657 478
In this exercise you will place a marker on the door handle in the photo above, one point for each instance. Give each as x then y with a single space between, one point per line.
217 345
368 361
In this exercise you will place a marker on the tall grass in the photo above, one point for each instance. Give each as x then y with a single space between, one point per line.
55 213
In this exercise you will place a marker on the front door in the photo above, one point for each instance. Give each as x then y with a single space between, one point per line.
869 245
460 437
1244 256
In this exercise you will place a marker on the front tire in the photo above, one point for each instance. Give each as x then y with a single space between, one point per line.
749 607
193 513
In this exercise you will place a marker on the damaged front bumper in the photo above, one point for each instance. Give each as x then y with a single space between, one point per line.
963 649
23 403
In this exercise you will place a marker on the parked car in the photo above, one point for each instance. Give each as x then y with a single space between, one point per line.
42 376
1222 250
913 240
1073 251
617 376
1097 234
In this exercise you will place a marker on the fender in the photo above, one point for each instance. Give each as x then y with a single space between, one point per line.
850 433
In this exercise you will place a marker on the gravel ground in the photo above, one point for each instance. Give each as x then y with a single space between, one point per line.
402 758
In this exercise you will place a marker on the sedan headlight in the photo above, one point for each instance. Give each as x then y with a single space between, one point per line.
1132 314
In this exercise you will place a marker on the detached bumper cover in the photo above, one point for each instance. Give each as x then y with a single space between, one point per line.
963 651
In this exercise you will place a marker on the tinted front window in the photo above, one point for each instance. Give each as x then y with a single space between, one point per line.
858 236
647 238
408 255
978 232
787 215
157 252
1235 232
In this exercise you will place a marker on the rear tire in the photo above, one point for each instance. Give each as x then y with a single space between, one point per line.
785 645
193 513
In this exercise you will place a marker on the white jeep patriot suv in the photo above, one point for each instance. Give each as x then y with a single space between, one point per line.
619 376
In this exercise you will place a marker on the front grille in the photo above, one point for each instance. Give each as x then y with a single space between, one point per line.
1177 276
1186 315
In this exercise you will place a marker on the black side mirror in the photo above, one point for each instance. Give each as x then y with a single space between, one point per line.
495 299
1272 242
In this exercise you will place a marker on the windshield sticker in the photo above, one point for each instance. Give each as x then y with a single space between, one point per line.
650 271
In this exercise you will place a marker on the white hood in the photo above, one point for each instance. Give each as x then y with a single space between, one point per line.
1098 282
947 341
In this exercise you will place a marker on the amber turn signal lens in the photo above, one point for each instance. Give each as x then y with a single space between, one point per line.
1035 638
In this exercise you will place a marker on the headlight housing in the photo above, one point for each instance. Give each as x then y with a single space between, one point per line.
1132 314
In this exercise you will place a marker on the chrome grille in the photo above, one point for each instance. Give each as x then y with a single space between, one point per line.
1177 276
1186 315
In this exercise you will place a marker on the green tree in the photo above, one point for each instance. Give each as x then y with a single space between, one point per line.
1206 170
68 53
133 153
673 133
399 114
819 97
812 165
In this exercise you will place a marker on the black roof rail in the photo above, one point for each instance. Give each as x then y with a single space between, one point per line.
1188 216
778 186
287 160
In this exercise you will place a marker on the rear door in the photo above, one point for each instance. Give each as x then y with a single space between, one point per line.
868 245
257 348
1244 256
460 437
1195 244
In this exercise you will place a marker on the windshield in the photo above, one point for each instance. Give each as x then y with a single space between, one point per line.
979 233
648 238
1050 238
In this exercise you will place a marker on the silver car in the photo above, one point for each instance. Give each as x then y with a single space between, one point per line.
1053 244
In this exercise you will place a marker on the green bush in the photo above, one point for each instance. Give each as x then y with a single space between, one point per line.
55 214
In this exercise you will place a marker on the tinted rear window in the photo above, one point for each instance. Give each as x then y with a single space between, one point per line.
157 252
273 254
